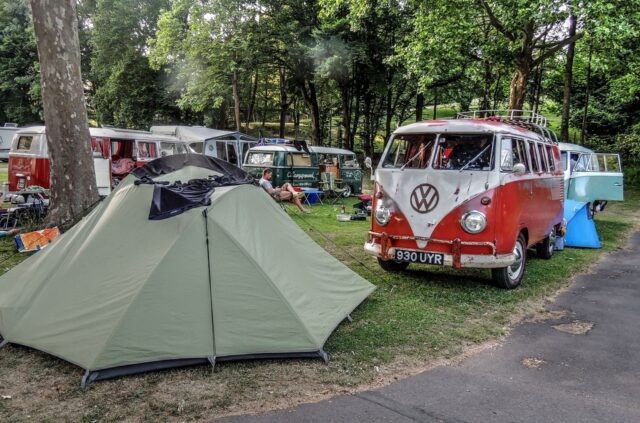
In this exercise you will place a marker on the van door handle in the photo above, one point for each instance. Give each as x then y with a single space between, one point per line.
617 184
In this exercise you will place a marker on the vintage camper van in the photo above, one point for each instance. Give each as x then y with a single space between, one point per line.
231 146
6 135
303 165
115 153
468 192
591 177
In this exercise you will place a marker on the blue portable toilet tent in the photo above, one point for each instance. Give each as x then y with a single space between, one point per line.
581 229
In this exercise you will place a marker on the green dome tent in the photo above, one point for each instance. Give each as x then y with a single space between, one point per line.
129 289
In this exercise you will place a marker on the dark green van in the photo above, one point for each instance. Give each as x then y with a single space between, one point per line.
303 169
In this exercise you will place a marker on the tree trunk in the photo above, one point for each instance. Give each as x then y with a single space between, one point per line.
518 89
283 102
346 116
236 100
486 93
568 79
252 101
311 99
583 133
497 91
435 104
73 179
419 106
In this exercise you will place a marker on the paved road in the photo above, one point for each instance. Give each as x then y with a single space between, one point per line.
540 373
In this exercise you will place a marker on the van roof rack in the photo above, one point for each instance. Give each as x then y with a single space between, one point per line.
523 118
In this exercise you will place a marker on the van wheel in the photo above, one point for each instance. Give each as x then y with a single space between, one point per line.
545 248
510 277
392 265
347 191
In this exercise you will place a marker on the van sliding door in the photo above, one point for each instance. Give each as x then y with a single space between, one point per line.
596 176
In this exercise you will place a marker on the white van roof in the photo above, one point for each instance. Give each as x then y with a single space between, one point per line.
292 149
195 133
565 146
465 126
108 132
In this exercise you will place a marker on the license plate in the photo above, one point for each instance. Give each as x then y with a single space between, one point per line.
419 257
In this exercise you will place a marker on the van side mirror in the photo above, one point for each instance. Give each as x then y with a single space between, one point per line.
367 162
519 169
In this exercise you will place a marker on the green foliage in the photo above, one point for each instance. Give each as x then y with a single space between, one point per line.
128 92
19 70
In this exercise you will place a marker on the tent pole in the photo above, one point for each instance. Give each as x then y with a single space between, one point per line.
213 331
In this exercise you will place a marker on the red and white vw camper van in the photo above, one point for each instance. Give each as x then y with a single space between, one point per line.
468 192
116 152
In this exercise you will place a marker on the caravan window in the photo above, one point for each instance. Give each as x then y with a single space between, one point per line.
411 151
24 143
232 157
171 148
260 159
147 150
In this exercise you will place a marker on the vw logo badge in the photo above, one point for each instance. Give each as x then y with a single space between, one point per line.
424 198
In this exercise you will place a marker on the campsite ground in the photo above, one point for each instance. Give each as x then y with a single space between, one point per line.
414 320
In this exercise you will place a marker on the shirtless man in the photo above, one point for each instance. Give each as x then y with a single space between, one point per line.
283 193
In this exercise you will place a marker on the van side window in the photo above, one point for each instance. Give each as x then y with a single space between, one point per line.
552 159
24 143
260 159
303 160
542 157
350 161
535 164
513 152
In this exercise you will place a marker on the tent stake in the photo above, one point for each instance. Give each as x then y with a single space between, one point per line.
324 355
349 318
212 360
4 343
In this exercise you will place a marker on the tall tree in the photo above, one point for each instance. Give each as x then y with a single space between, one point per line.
73 181
128 92
20 100
568 81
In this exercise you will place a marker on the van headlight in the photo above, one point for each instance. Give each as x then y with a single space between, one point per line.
473 222
382 214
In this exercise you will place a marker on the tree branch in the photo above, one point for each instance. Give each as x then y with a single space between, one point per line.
554 49
495 21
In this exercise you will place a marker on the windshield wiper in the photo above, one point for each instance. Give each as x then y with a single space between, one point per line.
470 162
416 155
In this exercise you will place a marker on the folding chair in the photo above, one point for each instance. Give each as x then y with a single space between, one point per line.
330 186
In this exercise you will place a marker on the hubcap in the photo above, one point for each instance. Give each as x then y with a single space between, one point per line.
552 242
516 268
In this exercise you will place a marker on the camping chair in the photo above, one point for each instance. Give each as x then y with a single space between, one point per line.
329 185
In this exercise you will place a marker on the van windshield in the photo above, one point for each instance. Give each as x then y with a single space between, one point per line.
411 151
464 151
260 159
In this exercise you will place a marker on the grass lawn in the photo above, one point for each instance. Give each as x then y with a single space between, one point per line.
414 319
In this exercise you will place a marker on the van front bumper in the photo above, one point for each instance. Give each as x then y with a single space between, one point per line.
486 261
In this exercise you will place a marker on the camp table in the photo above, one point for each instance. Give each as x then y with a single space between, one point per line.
312 195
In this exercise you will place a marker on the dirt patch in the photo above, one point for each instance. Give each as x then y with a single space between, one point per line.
532 362
577 327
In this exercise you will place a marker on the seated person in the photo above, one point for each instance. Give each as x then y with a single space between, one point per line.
283 193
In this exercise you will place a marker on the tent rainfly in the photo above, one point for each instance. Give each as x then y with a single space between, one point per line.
165 274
